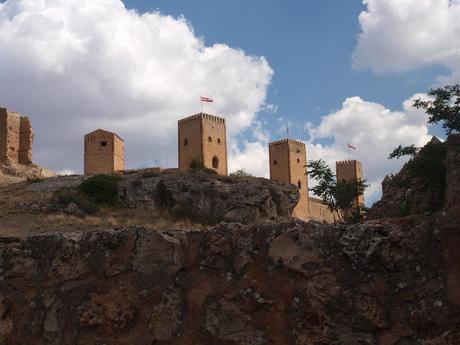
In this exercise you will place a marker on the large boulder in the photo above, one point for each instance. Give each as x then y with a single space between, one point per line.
418 188
210 198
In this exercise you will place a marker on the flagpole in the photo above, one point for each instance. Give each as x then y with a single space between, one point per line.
201 102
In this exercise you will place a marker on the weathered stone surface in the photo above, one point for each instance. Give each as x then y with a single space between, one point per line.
449 224
286 283
386 282
211 198
403 194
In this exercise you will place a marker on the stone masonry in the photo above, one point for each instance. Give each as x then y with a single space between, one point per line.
16 138
347 171
203 139
104 152
288 159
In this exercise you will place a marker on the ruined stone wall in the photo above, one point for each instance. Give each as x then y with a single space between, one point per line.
25 141
3 135
288 160
9 136
319 212
103 153
214 143
190 143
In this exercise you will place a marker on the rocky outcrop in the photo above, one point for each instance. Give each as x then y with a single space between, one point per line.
385 282
210 198
419 187
288 283
449 223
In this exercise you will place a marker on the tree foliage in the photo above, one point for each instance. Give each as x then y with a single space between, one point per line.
445 107
102 189
337 195
401 151
240 173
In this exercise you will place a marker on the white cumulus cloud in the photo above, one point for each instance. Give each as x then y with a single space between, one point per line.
374 130
77 65
401 35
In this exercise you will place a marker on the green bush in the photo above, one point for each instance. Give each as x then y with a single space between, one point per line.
102 189
85 204
240 173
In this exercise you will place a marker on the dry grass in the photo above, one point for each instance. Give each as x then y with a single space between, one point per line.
15 222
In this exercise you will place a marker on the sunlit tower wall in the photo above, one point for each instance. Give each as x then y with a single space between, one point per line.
9 136
203 138
104 152
288 160
347 171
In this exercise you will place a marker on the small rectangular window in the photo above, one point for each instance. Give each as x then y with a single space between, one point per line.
103 143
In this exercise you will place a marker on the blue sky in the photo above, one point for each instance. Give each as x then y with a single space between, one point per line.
309 45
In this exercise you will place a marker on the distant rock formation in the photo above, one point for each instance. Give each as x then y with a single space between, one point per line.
419 188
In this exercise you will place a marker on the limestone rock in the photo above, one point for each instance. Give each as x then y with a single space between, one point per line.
383 282
211 198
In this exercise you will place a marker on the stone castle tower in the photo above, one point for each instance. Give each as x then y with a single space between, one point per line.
16 138
350 170
203 139
288 160
104 152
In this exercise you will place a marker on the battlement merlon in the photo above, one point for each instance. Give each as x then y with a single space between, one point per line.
297 143
203 116
348 163
10 113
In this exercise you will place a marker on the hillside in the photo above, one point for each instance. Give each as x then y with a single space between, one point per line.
384 282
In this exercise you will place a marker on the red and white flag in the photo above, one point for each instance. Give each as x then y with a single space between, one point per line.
351 147
206 99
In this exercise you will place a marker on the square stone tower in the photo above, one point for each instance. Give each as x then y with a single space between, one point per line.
350 170
202 138
288 160
104 152
16 138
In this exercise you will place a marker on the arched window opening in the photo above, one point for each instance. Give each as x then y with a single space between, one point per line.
209 139
218 140
275 162
185 142
215 162
298 160
299 184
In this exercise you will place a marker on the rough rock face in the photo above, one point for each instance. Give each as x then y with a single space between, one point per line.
210 197
290 283
387 282
403 194
450 219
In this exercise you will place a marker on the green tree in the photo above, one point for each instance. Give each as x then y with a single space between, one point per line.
445 107
240 173
338 196
401 151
